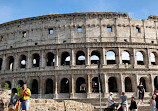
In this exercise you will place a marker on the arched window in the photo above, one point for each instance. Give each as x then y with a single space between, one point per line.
64 86
128 85
125 57
154 58
156 82
20 82
112 84
95 57
9 84
143 82
34 87
95 85
10 63
50 59
49 86
140 58
22 61
80 58
80 85
65 58
1 60
36 60
110 57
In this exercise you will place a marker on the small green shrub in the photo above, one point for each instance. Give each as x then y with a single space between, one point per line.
6 86
18 88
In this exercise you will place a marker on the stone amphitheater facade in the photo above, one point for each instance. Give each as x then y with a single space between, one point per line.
57 54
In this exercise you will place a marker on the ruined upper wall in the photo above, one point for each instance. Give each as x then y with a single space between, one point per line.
76 28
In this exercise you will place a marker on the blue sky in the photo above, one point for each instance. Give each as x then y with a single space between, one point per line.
17 9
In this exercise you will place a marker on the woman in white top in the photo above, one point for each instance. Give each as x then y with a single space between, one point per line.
153 103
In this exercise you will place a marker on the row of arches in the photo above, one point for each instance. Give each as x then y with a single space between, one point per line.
95 56
81 85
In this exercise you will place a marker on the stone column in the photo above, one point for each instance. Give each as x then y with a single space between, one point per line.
89 86
152 83
29 61
12 86
122 83
15 64
105 85
72 87
88 58
118 57
104 59
56 87
56 58
4 63
72 58
136 84
147 58
133 58
43 59
40 87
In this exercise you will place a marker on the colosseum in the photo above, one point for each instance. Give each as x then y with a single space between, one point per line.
57 55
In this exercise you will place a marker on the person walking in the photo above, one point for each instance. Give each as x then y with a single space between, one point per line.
24 98
153 103
141 91
124 103
133 105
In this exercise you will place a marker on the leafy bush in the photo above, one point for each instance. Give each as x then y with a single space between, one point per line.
6 86
18 88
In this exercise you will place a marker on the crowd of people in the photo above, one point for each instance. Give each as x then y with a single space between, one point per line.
133 105
20 103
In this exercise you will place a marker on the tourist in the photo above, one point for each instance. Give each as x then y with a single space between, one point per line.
124 103
13 100
111 102
133 105
153 103
24 98
141 91
156 98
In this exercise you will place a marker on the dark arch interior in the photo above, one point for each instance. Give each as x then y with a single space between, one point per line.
64 86
78 61
36 60
128 85
50 59
95 85
11 63
49 86
1 60
34 86
112 84
20 82
95 53
63 58
80 85
143 82
156 82
23 61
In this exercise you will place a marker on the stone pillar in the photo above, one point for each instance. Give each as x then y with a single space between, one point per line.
104 59
152 83
88 57
41 89
29 61
147 58
4 63
13 83
105 86
72 87
72 58
136 84
43 59
122 85
56 58
15 64
118 57
133 58
56 87
89 86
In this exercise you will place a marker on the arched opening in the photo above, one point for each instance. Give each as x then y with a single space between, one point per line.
95 85
36 60
154 58
143 83
49 86
65 58
140 58
1 60
80 58
10 63
156 82
50 59
95 57
20 82
34 86
112 83
64 86
110 57
80 85
9 84
125 57
22 61
128 85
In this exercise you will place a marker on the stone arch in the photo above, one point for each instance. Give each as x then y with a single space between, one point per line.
156 82
95 85
154 58
80 85
110 57
36 60
64 85
140 56
126 57
80 58
128 84
49 86
34 86
10 63
112 83
95 57
9 84
65 58
1 61
20 82
144 82
22 61
50 59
